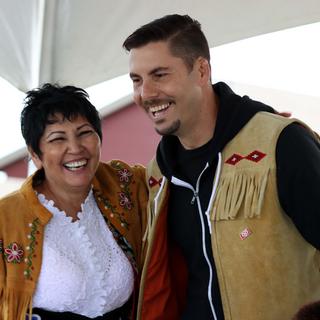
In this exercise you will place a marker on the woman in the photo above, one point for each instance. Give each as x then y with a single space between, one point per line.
70 238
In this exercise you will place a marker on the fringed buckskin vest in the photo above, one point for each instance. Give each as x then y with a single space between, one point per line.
266 269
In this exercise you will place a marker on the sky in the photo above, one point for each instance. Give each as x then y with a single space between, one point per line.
285 60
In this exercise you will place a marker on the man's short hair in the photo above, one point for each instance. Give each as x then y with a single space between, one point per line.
184 35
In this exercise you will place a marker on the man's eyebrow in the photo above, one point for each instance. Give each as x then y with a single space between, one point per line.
151 72
133 75
158 69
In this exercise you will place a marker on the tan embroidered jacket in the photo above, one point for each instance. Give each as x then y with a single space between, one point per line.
121 195
266 269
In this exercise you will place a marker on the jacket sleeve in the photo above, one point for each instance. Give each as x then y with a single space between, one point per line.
142 202
298 179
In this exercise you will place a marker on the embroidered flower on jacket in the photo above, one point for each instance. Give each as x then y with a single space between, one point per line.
124 174
124 201
13 253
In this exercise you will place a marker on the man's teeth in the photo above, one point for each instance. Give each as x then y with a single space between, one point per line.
75 164
155 109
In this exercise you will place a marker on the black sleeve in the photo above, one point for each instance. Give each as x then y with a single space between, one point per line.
298 180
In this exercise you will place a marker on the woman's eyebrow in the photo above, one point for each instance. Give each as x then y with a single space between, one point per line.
85 125
54 132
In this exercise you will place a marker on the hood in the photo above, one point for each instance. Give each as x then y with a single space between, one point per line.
234 112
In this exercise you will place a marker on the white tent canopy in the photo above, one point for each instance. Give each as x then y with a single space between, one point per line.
79 41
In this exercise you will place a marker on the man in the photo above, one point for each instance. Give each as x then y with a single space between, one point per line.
234 190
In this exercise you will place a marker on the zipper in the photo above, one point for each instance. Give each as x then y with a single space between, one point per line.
214 191
195 198
195 195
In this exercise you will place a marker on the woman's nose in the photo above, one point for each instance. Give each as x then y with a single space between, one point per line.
75 145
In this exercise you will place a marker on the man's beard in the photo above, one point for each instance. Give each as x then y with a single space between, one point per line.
171 130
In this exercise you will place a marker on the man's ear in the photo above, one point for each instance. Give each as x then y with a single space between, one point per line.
35 158
204 70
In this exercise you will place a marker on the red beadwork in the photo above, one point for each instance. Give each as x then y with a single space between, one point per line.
153 181
245 233
255 156
234 159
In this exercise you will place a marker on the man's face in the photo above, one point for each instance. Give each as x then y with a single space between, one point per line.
165 88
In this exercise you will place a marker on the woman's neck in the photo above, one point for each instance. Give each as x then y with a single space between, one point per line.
67 201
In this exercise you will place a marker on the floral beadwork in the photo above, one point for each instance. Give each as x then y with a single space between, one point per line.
124 195
1 246
125 177
124 201
124 174
31 247
114 212
13 253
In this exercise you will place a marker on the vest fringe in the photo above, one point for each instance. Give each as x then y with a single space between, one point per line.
240 189
15 304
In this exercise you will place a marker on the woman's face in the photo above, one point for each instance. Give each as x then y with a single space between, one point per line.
70 153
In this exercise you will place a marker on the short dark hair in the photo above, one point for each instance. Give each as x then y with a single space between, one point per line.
184 34
42 103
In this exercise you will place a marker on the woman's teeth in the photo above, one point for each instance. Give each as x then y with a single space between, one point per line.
75 164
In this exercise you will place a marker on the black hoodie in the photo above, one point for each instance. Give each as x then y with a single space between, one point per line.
184 222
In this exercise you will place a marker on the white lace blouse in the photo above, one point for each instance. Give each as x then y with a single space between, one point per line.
83 269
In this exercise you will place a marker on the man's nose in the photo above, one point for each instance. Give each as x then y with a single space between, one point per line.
149 90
